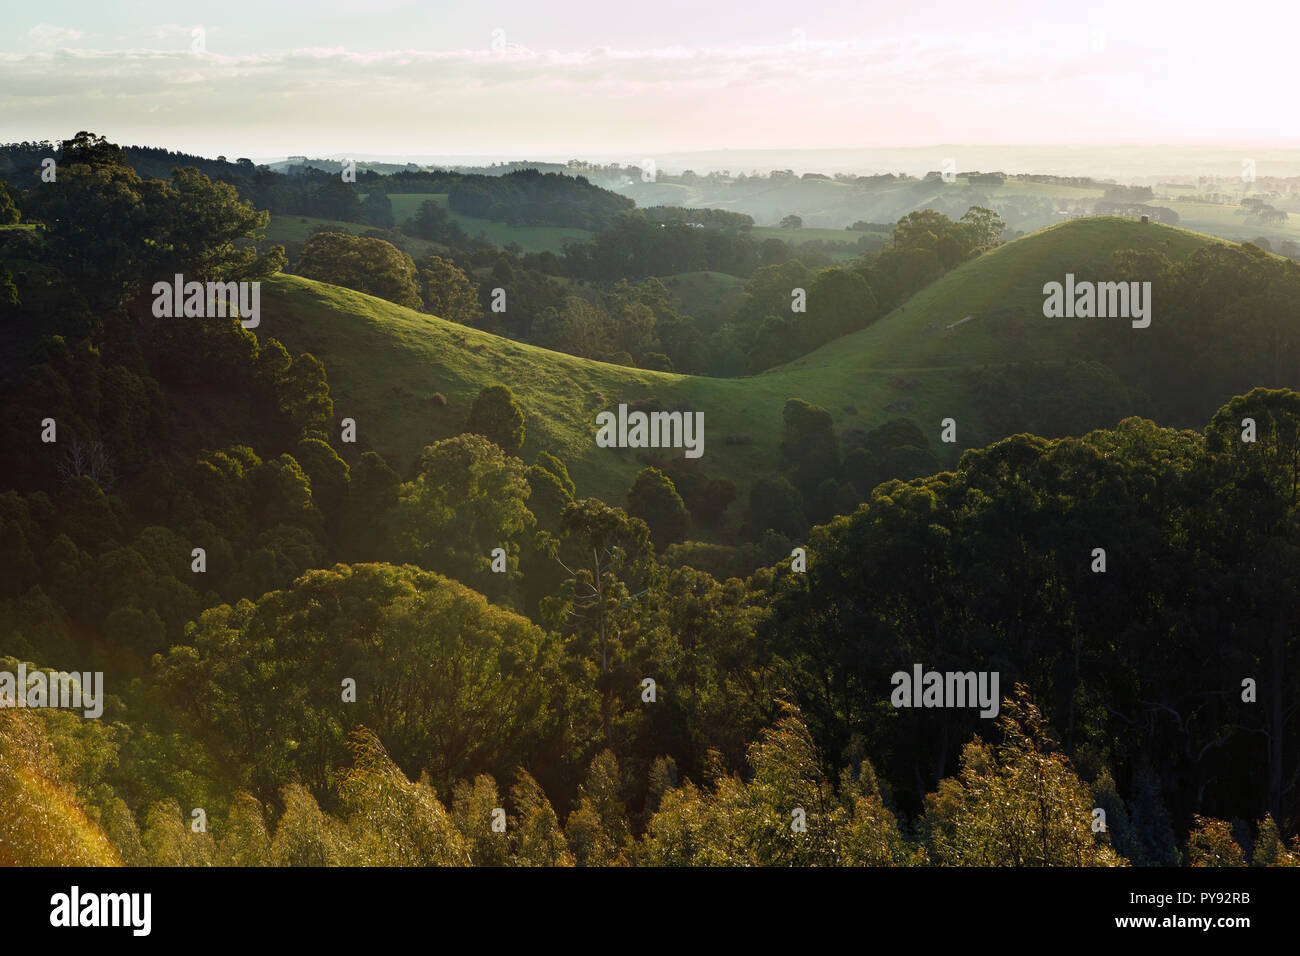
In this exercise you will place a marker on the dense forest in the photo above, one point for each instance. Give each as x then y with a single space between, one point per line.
316 655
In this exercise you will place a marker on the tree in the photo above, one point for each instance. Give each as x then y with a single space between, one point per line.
396 822
921 229
497 417
775 503
474 805
1256 516
329 476
448 293
335 199
790 785
245 841
597 830
372 490
985 227
8 291
809 448
445 681
654 500
1211 844
792 222
367 265
377 209
467 499
432 222
9 213
538 840
576 326
548 462
191 225
609 559
896 449
839 302
207 232
305 835
1017 804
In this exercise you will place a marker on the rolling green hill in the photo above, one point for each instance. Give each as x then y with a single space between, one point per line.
385 363
1231 221
299 228
530 238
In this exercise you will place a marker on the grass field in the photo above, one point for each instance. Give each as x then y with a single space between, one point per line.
1230 222
530 238
298 228
385 363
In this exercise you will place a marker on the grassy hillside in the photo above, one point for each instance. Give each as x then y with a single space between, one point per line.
385 363
299 228
1231 221
530 238
290 229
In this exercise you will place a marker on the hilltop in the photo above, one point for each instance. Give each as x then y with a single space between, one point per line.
386 364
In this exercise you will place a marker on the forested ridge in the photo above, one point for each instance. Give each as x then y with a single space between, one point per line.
330 657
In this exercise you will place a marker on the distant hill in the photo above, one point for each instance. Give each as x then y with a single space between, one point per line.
385 363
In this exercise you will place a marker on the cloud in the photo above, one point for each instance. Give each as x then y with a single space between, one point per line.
604 99
47 35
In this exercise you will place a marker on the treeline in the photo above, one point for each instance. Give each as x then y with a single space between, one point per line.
718 218
315 192
614 308
629 245
1095 570
525 196
1084 182
529 197
788 812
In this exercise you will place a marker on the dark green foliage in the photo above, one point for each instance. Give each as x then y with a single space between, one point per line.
809 449
431 222
529 197
775 504
654 500
447 292
9 213
367 265
445 680
377 209
497 417
896 449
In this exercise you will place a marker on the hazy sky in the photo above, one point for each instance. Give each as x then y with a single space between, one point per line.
620 79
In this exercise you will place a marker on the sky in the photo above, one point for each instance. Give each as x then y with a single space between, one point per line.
575 78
